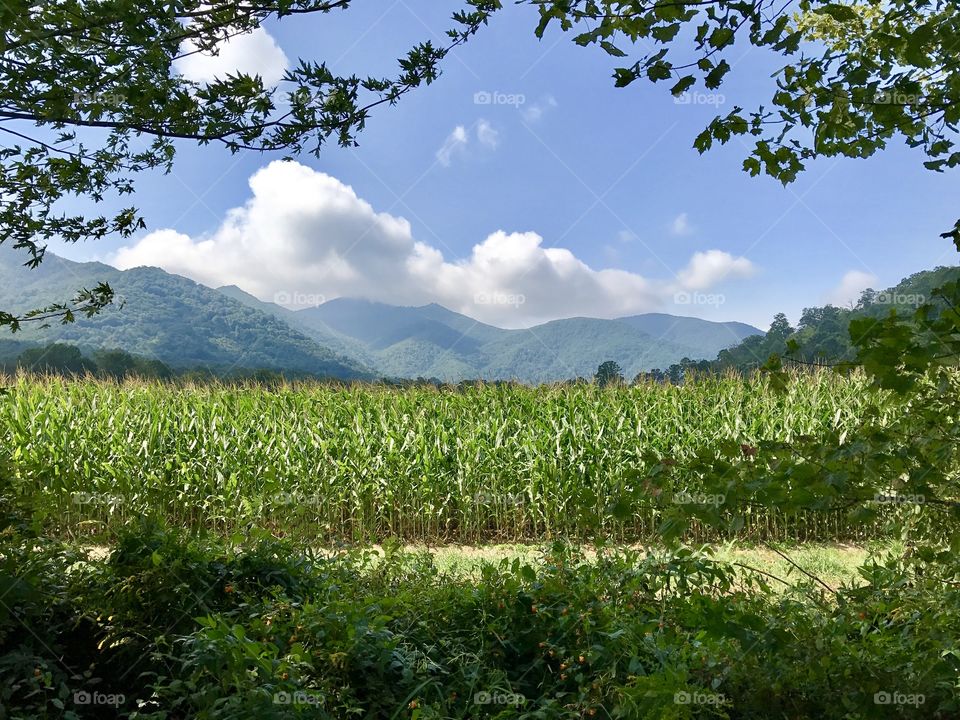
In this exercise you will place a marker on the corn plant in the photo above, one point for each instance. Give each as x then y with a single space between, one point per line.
366 462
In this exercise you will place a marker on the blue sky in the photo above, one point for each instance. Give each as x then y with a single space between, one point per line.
573 163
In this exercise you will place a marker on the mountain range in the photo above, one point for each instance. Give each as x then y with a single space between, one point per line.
185 324
432 341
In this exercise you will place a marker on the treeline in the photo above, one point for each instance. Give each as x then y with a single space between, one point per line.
821 338
67 360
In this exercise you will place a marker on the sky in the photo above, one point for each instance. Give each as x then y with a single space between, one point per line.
522 186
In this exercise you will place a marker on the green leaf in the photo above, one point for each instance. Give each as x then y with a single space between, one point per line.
612 49
683 85
838 11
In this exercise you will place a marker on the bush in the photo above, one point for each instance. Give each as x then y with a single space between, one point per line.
183 628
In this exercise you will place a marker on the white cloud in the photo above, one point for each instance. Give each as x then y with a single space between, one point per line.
305 233
253 53
712 267
848 291
458 140
681 225
487 134
535 111
455 140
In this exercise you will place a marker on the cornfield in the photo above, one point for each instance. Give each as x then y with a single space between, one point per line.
367 462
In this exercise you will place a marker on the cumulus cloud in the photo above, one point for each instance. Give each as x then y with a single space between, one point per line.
487 135
253 53
458 140
851 285
681 225
455 141
712 267
304 233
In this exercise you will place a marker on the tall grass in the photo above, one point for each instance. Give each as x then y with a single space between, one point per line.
367 462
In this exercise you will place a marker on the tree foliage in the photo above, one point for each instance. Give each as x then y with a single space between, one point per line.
828 335
609 373
857 74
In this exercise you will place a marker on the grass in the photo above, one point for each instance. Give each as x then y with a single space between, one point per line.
171 626
363 463
834 563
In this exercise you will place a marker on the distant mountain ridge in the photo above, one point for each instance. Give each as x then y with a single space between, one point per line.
186 324
433 341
